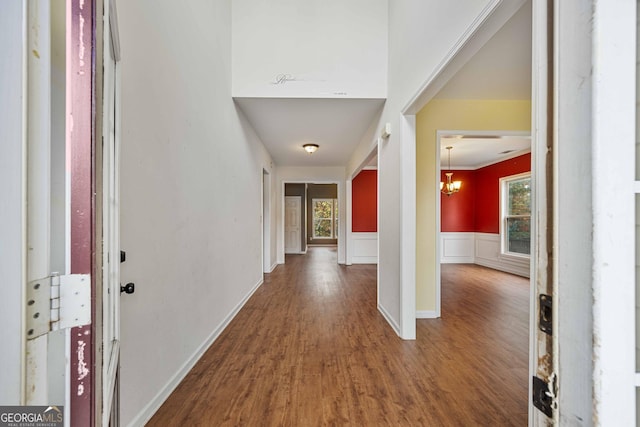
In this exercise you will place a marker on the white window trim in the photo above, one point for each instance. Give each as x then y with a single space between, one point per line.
504 254
333 219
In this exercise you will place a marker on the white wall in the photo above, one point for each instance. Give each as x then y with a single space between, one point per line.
191 194
422 34
414 28
312 175
332 48
12 206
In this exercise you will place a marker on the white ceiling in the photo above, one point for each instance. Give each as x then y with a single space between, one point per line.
500 70
476 151
336 125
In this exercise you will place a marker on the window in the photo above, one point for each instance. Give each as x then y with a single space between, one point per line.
325 218
516 214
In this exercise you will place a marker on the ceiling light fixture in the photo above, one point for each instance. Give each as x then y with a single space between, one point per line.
310 148
450 186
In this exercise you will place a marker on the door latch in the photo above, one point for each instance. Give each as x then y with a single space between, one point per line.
545 314
545 395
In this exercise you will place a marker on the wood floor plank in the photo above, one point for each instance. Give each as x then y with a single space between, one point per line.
311 349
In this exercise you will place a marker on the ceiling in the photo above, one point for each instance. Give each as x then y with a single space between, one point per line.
285 124
500 70
476 151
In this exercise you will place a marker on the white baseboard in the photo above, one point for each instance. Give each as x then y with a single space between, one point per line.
271 268
488 254
518 270
389 319
364 260
426 314
152 407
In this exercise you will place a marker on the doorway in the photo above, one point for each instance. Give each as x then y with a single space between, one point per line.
317 220
322 214
476 222
457 102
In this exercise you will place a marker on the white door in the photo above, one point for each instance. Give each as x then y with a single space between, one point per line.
292 229
110 223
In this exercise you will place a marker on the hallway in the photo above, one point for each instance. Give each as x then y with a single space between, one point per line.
310 348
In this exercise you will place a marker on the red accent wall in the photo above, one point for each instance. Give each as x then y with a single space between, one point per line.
364 191
477 206
488 191
458 210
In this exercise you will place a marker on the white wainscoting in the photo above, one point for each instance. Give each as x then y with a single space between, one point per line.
482 249
365 248
457 248
488 254
487 249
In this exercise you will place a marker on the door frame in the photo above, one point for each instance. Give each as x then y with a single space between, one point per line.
267 266
594 138
349 202
489 21
438 205
80 121
77 351
615 216
341 242
107 224
37 185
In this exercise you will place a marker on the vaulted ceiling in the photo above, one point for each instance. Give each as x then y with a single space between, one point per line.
501 69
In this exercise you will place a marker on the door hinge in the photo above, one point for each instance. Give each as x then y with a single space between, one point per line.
545 394
58 302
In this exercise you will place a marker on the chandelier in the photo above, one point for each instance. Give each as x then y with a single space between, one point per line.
450 186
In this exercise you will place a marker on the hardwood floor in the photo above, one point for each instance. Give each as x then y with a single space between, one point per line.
311 349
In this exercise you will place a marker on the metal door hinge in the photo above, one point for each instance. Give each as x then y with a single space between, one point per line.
545 395
58 302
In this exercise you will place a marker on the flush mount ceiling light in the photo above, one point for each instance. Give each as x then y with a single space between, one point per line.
310 148
450 186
